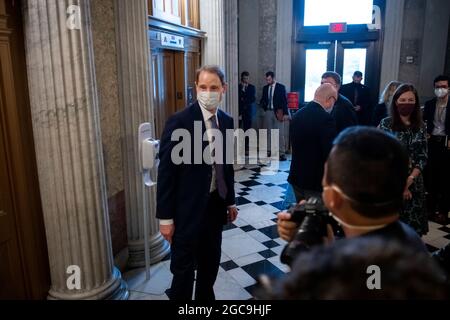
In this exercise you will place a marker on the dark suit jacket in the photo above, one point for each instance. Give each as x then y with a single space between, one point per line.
247 98
344 114
363 100
379 113
183 190
279 98
428 116
312 132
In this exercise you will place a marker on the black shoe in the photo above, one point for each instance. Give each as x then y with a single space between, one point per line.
283 157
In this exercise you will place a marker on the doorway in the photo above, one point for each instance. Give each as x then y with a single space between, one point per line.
343 57
319 48
173 83
24 269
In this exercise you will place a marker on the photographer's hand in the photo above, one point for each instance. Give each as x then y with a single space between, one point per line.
286 228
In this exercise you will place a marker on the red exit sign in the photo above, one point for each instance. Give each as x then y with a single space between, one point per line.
338 27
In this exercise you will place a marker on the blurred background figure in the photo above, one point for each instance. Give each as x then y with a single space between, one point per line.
437 177
274 103
359 95
343 112
381 109
247 98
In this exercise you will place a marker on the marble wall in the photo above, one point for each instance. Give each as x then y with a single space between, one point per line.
257 39
411 44
424 38
105 52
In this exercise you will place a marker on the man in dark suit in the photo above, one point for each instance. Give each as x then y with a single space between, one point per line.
343 112
274 103
437 173
312 133
359 96
247 98
195 196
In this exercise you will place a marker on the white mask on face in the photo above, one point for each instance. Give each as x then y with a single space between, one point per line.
440 92
346 224
209 100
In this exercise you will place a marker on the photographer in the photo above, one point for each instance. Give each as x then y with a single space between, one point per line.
363 186
345 271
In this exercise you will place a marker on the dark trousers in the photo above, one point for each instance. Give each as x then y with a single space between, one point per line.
437 176
247 115
202 252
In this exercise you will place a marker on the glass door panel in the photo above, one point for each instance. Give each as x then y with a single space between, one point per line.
316 65
354 60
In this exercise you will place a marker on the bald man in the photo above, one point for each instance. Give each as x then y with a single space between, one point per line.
312 132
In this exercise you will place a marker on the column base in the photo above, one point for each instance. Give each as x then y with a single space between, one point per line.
159 249
114 289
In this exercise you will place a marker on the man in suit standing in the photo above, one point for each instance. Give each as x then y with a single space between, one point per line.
437 174
247 98
274 103
312 133
359 95
343 112
196 198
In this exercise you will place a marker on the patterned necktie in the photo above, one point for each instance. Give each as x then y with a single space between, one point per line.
218 167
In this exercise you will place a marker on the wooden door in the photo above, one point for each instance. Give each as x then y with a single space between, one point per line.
24 270
169 85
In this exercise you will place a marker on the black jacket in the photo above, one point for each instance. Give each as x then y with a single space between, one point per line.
344 114
247 98
183 190
428 116
312 132
363 100
279 98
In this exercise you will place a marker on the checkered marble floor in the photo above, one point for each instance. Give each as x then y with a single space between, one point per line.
251 245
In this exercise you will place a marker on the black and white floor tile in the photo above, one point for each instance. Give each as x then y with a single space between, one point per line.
251 245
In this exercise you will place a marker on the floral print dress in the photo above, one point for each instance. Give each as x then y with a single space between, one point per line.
414 211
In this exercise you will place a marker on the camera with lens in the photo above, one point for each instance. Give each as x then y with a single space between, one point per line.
313 218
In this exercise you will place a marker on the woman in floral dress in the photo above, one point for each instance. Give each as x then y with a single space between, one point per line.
406 124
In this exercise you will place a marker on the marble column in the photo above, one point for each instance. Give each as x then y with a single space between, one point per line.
232 58
284 42
212 21
393 30
65 116
284 52
136 108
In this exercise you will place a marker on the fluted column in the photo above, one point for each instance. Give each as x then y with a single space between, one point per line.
212 21
231 58
283 68
65 117
284 42
393 28
136 108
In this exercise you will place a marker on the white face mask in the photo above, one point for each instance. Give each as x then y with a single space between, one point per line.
348 225
441 92
209 100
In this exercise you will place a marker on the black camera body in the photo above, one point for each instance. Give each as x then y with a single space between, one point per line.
313 218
